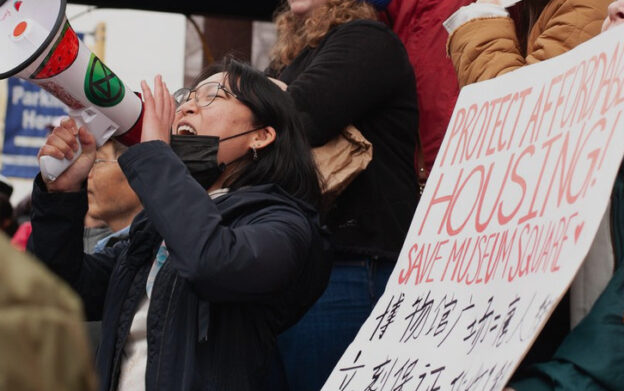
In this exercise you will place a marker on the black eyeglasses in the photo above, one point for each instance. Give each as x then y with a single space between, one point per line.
205 94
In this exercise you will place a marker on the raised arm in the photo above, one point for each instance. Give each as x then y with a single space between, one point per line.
255 260
59 209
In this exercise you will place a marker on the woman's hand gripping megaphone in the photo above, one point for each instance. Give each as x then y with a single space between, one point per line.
71 147
98 125
69 151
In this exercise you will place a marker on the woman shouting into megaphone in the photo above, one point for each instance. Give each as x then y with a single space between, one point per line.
227 253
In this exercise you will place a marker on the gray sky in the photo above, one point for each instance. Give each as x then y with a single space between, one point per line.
139 44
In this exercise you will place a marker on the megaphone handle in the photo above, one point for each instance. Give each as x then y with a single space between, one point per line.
51 167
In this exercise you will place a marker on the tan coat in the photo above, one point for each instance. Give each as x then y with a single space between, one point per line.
482 49
43 343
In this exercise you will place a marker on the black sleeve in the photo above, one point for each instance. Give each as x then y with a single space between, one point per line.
246 263
57 240
351 74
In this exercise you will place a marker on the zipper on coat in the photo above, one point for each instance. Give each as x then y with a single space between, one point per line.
116 370
160 353
115 378
114 383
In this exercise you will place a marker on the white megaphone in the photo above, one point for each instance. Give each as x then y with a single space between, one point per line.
40 46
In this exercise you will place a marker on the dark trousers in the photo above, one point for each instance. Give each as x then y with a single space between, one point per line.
310 349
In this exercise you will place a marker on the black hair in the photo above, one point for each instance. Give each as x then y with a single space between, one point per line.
7 222
23 209
524 15
288 160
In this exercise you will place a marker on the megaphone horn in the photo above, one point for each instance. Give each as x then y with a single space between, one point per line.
43 48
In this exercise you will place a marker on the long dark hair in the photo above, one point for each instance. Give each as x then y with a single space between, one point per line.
287 161
525 14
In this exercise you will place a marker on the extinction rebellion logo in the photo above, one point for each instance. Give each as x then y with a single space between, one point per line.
102 86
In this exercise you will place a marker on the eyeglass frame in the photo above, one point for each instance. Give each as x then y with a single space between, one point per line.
189 91
99 161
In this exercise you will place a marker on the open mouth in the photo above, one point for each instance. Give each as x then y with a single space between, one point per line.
185 129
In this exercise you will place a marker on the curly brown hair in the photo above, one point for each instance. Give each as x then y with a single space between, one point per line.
295 33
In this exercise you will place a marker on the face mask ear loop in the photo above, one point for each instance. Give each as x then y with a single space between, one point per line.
240 134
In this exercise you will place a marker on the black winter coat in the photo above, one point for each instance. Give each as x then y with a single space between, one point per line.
360 74
242 268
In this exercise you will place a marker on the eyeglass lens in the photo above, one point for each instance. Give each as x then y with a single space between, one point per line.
203 95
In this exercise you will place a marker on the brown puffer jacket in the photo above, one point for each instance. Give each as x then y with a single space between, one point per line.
484 48
43 343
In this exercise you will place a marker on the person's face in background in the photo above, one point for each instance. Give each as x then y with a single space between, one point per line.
303 7
615 15
111 198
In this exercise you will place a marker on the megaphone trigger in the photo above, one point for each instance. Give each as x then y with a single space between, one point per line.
96 123
99 125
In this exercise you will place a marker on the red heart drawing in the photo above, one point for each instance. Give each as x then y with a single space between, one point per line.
577 231
17 5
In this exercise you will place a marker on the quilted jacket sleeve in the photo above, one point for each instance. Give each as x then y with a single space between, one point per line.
482 49
250 261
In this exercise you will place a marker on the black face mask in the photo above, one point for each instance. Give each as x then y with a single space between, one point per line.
199 155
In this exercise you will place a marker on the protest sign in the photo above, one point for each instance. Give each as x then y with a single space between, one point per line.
29 114
515 197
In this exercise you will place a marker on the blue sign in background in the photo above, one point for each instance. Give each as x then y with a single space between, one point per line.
30 113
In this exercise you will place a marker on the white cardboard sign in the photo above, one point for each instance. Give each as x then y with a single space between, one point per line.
512 205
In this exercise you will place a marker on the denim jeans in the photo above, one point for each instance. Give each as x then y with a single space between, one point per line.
310 349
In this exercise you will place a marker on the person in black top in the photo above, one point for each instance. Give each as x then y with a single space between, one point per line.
343 68
228 250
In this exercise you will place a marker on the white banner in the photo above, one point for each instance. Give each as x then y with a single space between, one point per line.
512 205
